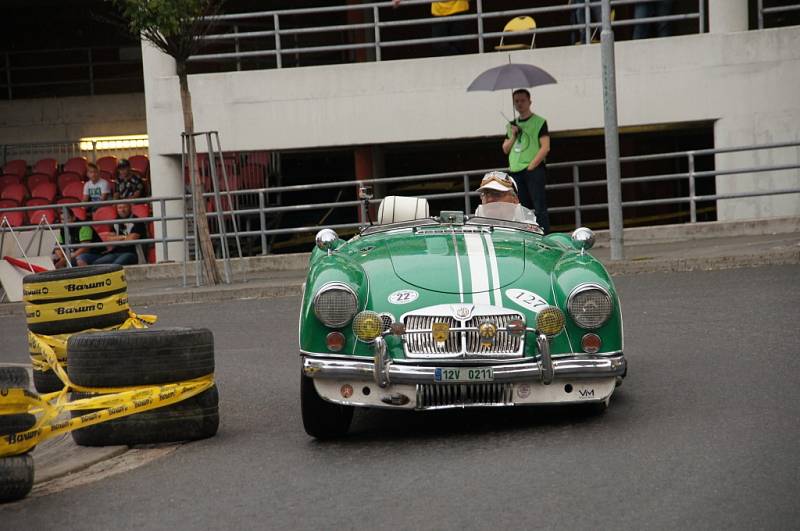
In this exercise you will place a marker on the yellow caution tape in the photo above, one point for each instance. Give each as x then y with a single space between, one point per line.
61 311
64 289
58 343
120 404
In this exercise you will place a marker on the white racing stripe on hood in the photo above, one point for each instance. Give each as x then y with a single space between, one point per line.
478 270
458 265
498 297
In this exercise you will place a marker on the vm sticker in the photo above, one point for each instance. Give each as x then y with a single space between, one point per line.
526 299
403 296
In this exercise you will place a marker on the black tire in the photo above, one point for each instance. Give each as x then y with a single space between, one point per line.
16 423
14 377
46 381
91 273
322 419
140 357
16 477
189 420
70 326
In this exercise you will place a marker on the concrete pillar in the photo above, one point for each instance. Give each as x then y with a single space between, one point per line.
727 16
165 170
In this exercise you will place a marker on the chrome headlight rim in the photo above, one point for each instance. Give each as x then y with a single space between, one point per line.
329 287
581 288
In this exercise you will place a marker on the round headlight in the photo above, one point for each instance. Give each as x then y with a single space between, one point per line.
367 326
550 321
589 306
335 304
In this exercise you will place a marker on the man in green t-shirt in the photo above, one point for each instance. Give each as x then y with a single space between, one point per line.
81 256
527 144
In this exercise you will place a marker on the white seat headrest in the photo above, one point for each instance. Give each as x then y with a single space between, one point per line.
395 208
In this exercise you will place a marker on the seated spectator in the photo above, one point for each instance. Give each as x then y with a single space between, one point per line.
95 189
578 16
128 184
81 256
125 229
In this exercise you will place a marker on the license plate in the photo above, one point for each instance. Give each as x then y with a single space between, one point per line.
463 374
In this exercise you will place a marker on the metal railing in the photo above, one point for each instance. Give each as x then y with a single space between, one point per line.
62 151
82 71
273 37
764 11
461 179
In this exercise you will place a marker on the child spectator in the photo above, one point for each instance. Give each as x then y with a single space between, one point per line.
95 189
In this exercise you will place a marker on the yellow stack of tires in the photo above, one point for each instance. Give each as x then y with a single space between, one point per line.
72 300
16 471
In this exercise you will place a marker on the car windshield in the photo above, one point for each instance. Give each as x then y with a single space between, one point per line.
505 215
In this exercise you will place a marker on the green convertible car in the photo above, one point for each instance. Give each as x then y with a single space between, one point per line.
419 312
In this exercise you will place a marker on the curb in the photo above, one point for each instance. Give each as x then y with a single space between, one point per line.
675 265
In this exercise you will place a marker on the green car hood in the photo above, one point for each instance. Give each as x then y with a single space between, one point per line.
458 262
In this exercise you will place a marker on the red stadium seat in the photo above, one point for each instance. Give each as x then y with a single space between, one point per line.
76 165
47 190
15 219
38 215
73 189
66 200
105 213
46 166
141 210
109 177
141 165
35 179
16 167
68 177
108 164
9 178
151 255
15 192
37 201
8 203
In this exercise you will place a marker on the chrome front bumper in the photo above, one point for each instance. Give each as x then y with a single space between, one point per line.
545 370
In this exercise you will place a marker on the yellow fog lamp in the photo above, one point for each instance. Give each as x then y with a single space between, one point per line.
550 321
367 325
440 332
487 332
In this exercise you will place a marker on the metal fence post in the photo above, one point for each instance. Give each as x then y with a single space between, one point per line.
760 14
377 32
236 47
262 222
91 73
587 15
576 192
467 202
277 40
692 192
702 12
480 26
164 229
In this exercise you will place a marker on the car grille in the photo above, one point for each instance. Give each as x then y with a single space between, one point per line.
431 396
463 339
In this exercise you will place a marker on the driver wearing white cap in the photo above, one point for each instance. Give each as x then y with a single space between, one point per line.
499 199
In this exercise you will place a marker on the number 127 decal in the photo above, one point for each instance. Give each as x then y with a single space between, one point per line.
526 299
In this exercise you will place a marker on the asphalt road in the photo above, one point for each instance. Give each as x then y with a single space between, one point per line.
703 434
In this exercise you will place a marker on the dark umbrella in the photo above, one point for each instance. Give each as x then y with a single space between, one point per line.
511 76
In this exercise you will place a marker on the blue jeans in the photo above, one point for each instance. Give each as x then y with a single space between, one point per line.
120 258
86 258
532 193
654 9
579 17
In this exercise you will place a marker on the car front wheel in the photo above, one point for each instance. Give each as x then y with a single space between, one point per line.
322 419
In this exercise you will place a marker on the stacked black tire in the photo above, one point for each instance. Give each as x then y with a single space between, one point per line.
143 358
16 471
48 381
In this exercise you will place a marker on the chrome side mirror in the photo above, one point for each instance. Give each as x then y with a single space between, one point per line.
583 239
326 240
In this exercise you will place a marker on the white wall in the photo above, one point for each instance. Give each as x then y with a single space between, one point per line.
747 81
68 119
